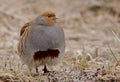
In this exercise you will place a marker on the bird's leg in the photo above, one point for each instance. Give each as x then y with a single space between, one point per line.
45 69
37 69
34 72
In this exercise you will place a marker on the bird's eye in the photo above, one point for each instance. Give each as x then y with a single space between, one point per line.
49 16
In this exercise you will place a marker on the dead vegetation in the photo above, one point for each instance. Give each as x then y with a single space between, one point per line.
92 29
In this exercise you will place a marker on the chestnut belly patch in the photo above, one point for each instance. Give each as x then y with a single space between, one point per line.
44 54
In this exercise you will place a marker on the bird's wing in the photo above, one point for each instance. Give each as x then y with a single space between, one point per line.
24 28
23 36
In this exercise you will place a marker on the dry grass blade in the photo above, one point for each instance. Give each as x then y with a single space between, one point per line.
113 54
115 36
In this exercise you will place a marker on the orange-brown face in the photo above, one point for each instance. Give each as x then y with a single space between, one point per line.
50 18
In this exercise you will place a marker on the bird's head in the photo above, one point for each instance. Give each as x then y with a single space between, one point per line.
47 18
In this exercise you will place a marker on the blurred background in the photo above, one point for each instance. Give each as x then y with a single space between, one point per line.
92 31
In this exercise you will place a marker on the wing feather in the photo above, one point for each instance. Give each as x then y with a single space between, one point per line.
23 36
23 28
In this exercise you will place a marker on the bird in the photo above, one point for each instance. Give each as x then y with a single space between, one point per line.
42 42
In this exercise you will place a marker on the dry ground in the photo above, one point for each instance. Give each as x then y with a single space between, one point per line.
92 29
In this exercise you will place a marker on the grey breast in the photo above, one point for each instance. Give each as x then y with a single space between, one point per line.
45 37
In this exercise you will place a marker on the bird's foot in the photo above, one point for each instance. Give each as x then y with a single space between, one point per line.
45 70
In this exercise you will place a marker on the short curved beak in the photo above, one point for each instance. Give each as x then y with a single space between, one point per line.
56 18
